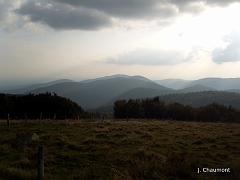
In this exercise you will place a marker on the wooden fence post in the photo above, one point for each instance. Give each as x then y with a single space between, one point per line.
8 121
40 162
40 116
26 120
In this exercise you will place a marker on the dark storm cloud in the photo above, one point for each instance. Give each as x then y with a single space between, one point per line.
147 8
232 52
93 14
64 17
136 9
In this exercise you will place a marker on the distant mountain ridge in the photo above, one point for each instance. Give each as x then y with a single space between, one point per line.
117 76
218 83
35 86
215 83
94 93
105 78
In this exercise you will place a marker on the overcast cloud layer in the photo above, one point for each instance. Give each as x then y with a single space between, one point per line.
92 15
142 8
97 14
119 36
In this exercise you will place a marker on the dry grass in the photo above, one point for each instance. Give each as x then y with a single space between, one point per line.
121 150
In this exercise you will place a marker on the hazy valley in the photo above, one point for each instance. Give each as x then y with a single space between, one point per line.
102 92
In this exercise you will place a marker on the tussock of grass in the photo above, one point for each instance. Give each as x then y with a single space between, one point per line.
198 142
147 135
4 149
102 136
90 141
119 135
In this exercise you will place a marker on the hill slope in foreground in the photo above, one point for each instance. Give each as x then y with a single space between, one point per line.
121 150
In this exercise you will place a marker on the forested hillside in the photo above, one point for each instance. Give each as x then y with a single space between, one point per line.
197 99
34 105
156 109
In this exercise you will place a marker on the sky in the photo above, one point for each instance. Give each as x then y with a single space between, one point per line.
81 39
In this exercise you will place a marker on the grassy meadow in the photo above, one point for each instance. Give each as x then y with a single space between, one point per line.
121 150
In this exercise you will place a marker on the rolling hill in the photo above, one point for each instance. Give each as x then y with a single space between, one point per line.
139 93
173 83
194 99
217 83
196 88
197 99
96 93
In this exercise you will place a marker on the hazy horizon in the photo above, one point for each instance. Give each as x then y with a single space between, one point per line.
20 84
43 41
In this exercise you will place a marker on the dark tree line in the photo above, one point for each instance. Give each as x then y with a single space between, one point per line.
154 108
33 106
